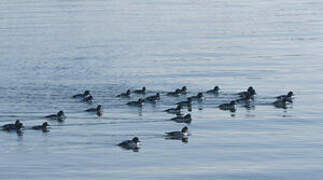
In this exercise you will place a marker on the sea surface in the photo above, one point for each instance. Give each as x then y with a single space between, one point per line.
53 49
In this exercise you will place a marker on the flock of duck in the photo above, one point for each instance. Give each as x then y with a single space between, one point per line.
133 144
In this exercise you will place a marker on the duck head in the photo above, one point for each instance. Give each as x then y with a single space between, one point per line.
251 90
128 92
17 123
86 93
135 139
185 130
60 113
45 124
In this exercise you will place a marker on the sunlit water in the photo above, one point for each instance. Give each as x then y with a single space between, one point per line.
51 50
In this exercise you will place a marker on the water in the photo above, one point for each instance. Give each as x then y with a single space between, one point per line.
51 50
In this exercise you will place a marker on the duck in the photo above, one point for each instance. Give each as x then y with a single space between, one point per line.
199 96
88 99
134 144
228 106
10 127
215 90
251 91
125 95
85 94
42 127
153 98
139 103
176 110
183 119
97 109
288 97
176 93
178 134
187 103
59 116
140 91
183 90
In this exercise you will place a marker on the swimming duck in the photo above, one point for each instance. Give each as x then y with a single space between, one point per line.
199 96
85 94
130 144
178 134
176 93
140 91
59 116
186 103
97 109
288 97
125 95
215 90
183 119
153 98
139 103
42 127
231 106
251 91
10 127
176 110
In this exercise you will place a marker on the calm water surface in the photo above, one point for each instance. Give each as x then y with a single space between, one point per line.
52 49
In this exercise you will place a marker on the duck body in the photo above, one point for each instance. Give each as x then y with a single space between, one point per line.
98 109
176 110
60 116
85 94
153 98
140 91
280 103
198 97
138 103
183 119
187 103
13 127
125 95
245 99
250 92
176 93
130 144
228 106
215 90
42 127
178 134
288 97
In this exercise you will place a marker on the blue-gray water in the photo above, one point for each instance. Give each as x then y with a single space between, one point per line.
50 50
